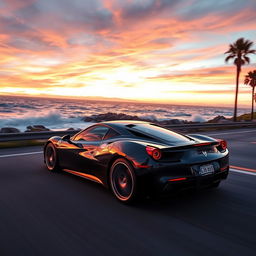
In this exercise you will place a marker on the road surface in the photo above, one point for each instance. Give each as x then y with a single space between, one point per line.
45 213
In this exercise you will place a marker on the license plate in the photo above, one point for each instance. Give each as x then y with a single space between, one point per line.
206 169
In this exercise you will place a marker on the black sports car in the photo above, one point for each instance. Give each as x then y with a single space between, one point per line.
135 158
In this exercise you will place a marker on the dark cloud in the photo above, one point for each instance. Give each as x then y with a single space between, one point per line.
147 8
33 43
224 8
93 15
98 20
63 17
28 12
11 25
22 35
87 14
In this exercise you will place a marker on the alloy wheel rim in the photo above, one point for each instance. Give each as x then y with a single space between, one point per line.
122 181
50 157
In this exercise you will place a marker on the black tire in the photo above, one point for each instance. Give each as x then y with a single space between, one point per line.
123 181
51 158
215 185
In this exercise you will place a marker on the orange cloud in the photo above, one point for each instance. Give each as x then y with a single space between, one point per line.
146 50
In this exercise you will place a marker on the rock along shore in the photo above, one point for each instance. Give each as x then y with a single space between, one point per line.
121 116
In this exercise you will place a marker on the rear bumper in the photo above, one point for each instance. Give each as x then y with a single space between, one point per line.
163 183
198 182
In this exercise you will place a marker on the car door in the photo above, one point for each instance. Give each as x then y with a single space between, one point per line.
84 148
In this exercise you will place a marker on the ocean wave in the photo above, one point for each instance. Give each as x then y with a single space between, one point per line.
21 112
25 106
149 117
51 119
178 114
6 111
160 110
14 105
197 118
4 105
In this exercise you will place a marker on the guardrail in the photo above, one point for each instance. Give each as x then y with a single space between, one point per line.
44 135
202 126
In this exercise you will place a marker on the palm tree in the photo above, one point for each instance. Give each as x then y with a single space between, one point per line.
250 79
239 51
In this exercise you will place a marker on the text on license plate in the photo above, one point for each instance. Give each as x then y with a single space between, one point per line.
206 169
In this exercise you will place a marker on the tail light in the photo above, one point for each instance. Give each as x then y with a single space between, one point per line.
222 145
155 153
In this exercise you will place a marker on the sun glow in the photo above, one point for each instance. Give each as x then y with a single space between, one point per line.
120 50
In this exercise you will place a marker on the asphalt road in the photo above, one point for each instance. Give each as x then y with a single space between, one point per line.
43 213
241 144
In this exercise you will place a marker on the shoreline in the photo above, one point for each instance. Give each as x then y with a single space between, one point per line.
88 120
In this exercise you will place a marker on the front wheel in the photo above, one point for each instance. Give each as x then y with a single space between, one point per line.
123 181
51 158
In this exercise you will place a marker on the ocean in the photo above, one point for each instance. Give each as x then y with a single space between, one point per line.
20 112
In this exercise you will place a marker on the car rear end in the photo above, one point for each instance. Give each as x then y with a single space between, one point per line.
193 166
176 161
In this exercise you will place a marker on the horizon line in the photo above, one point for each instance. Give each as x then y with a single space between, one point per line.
121 100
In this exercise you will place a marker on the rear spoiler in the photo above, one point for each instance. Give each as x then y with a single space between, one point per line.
200 144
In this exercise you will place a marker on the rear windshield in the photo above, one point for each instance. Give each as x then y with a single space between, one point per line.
159 132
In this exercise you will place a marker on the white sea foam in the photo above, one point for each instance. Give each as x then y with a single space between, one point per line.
197 118
148 117
50 119
21 112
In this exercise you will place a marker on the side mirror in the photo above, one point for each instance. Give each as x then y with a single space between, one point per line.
66 137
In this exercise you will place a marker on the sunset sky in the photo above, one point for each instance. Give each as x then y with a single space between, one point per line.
155 50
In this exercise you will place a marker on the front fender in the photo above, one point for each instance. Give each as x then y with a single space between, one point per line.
54 140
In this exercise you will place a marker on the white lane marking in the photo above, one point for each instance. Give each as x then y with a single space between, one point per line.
229 133
243 172
22 154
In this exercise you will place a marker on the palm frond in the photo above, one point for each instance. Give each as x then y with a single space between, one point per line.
240 49
229 57
246 59
250 78
248 44
251 51
246 81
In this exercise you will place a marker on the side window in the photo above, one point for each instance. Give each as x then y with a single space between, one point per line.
110 134
94 134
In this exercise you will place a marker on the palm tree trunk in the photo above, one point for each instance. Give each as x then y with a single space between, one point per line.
237 84
252 102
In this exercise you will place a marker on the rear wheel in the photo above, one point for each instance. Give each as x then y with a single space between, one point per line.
51 158
123 181
215 185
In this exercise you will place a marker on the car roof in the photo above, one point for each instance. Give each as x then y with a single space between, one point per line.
126 128
124 122
122 125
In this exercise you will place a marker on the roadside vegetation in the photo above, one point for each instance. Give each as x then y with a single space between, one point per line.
250 79
239 51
